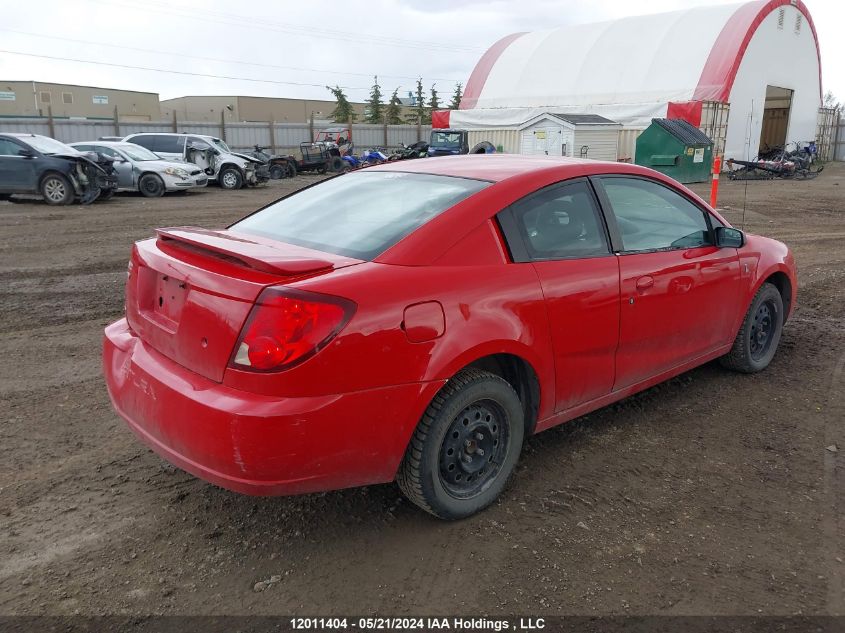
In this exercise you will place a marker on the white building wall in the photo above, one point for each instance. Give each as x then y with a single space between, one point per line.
776 57
601 144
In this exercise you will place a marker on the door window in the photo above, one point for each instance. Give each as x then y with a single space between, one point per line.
9 148
559 222
650 216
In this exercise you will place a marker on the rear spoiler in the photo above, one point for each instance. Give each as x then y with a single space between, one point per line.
256 255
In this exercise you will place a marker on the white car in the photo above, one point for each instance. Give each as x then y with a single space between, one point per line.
138 169
229 169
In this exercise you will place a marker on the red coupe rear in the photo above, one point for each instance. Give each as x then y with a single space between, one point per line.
415 321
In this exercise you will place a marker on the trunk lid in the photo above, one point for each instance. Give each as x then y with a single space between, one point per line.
190 290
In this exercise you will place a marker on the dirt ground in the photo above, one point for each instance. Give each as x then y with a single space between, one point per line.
711 494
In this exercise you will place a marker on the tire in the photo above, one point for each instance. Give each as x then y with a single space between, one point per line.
758 337
277 172
336 164
105 194
484 147
291 169
230 178
151 186
476 420
56 189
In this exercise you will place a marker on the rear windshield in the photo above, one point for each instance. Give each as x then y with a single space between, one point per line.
361 214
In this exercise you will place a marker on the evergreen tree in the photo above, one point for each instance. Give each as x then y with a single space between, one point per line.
456 97
393 111
420 113
374 104
434 101
343 110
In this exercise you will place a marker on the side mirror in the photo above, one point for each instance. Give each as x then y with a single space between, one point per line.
727 237
26 153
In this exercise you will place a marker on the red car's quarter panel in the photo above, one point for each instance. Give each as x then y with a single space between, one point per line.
489 309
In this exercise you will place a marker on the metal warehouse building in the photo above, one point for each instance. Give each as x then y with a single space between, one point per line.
747 74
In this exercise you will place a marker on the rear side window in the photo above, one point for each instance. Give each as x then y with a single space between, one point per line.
144 140
651 216
561 222
169 144
360 214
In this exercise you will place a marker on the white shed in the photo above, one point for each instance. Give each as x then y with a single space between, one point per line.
566 134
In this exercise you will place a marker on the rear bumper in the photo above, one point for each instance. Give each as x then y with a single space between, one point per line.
255 444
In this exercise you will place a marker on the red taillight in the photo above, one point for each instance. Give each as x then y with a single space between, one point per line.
288 326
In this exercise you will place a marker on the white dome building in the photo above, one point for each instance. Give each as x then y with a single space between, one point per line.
761 58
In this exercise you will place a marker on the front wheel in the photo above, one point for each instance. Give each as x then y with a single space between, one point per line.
56 189
151 185
465 447
231 178
757 340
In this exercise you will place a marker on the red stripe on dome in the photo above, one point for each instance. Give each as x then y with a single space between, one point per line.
482 70
717 78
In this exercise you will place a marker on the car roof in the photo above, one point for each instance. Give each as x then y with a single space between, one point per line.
216 138
497 167
25 135
106 143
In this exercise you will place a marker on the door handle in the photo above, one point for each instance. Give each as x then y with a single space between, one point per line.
644 283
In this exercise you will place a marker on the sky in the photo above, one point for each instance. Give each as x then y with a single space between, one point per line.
295 48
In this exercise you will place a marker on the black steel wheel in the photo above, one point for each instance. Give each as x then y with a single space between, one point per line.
763 329
151 186
466 446
759 335
277 172
473 449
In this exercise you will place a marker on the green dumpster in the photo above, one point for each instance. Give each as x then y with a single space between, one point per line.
676 148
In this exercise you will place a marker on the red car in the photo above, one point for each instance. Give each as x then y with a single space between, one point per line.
416 321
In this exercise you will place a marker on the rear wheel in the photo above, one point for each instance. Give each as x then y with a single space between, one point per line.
151 185
291 169
56 189
758 337
466 446
336 164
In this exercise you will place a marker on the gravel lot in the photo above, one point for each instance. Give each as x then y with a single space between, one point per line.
711 494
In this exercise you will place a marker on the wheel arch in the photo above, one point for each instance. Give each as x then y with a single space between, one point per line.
67 175
226 165
780 278
519 366
520 375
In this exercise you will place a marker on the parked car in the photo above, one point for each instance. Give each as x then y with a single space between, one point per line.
35 164
229 169
430 317
138 169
